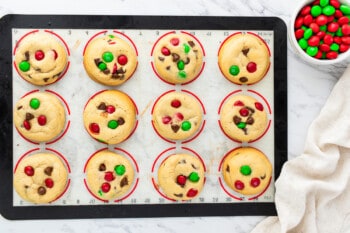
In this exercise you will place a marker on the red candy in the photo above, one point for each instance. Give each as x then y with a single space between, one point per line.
299 33
109 176
345 39
165 51
26 125
175 41
181 180
328 39
110 109
333 27
321 34
345 29
334 3
105 187
39 55
94 128
330 19
299 22
251 67
179 116
255 182
321 20
238 103
259 106
314 27
308 20
166 120
122 60
192 193
239 185
49 182
29 170
338 14
331 55
318 55
313 41
244 112
343 48
324 47
337 39
175 103
42 120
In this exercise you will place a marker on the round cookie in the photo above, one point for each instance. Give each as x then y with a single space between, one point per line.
177 116
181 176
40 178
40 58
244 58
247 171
178 58
243 118
39 116
110 60
110 116
109 175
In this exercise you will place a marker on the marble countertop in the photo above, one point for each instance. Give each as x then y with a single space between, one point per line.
308 89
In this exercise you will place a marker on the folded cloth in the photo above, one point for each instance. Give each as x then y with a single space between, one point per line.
313 190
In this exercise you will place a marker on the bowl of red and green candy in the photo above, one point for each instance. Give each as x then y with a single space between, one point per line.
320 31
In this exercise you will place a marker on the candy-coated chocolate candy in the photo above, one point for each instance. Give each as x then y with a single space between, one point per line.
323 28
335 3
307 20
42 120
321 34
175 41
29 170
109 176
166 119
343 20
316 2
345 39
181 180
120 169
234 70
181 65
238 103
259 106
102 66
328 39
333 27
345 9
122 59
49 182
303 43
26 125
324 47
24 66
187 48
314 27
331 55
179 116
194 177
241 125
186 125
312 51
245 170
107 56
305 10
110 109
251 67
192 193
337 40
165 51
345 29
318 55
321 20
34 103
338 14
182 74
105 187
324 3
313 41
39 55
339 32
112 124
244 112
330 19
308 33
299 22
175 103
343 48
94 128
299 33
316 11
328 10
239 185
255 182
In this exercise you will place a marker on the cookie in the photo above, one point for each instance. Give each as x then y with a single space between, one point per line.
181 176
40 178
110 60
109 175
243 118
244 58
39 117
177 116
110 116
41 58
247 171
178 58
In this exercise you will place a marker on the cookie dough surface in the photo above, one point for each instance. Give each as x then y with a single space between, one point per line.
181 176
243 118
110 60
110 116
40 178
39 117
244 58
178 58
41 58
247 171
177 116
109 175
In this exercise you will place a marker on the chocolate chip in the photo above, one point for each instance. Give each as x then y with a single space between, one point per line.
124 182
102 167
102 106
161 58
250 120
236 120
106 71
41 190
245 51
191 43
26 186
46 79
48 171
245 131
29 116
37 69
20 107
182 161
57 75
195 50
121 121
228 168
250 109
97 61
175 128
167 68
175 56
263 177
243 79
178 195
194 167
121 71
26 54
187 60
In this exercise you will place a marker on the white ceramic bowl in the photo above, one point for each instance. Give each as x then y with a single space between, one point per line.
300 51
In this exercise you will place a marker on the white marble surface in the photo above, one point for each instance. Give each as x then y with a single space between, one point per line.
308 88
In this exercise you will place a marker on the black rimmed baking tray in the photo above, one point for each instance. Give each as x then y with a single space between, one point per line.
145 200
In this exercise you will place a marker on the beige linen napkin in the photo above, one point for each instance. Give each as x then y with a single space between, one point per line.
313 190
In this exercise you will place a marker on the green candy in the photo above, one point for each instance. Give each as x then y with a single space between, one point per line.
316 11
324 3
107 56
187 48
303 43
241 125
193 177
304 27
307 33
119 169
186 125
312 51
34 103
323 28
234 70
24 66
102 66
345 9
112 124
245 170
339 32
334 47
182 74
181 65
328 10
111 36
100 192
